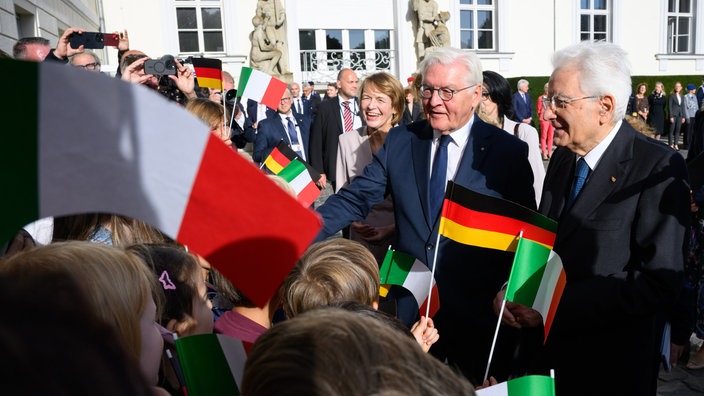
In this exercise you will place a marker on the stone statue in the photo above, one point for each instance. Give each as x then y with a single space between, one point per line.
432 32
264 56
273 16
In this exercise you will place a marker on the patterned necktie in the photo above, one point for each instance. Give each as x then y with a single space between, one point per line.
347 115
438 179
293 135
581 173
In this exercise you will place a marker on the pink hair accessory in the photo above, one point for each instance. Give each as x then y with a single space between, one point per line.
166 281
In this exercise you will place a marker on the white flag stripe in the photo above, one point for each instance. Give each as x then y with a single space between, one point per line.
128 127
546 290
417 281
301 181
256 85
235 355
500 389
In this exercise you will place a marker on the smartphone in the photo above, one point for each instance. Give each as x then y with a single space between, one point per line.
93 40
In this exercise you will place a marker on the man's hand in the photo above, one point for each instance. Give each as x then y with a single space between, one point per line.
63 47
134 73
516 315
185 80
124 42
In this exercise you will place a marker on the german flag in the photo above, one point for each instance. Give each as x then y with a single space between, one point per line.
208 72
475 219
281 156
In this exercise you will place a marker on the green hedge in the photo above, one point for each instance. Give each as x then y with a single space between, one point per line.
536 85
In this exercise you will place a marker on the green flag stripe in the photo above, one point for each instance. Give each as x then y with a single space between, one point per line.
292 170
19 142
527 272
531 385
244 77
205 366
395 268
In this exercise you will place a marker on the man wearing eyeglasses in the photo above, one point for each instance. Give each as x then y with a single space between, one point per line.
621 201
476 155
87 60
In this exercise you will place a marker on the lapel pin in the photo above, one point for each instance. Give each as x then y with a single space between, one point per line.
613 179
482 149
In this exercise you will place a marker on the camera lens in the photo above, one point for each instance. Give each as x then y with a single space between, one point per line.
99 37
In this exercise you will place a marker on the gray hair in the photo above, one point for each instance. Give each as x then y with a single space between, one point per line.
521 83
87 52
448 56
603 68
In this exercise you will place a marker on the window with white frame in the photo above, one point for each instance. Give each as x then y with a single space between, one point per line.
333 49
680 24
200 26
594 20
478 25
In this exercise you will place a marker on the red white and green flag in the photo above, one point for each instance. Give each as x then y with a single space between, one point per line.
530 385
77 142
260 87
537 280
297 176
212 364
404 270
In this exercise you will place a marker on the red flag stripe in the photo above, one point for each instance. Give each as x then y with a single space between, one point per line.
274 92
434 303
557 294
490 222
208 72
279 157
308 195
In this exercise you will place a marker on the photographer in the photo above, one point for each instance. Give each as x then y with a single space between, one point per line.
132 69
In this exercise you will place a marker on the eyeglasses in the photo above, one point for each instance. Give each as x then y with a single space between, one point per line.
284 100
444 93
558 103
90 66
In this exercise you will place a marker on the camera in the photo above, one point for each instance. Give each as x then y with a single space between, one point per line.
162 66
230 96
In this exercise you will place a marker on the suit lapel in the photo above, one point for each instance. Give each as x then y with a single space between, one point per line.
421 166
478 143
612 168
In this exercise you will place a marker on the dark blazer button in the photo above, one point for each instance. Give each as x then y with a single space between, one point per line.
429 246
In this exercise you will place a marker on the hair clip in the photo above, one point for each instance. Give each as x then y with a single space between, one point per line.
166 281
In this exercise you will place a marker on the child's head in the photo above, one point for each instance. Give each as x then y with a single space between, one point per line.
186 309
117 286
331 271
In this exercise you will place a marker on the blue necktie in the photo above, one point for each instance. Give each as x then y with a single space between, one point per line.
438 179
293 135
580 176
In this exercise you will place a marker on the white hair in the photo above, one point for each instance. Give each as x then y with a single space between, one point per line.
603 68
448 56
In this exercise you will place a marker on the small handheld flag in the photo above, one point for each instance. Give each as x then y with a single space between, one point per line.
530 385
298 178
404 270
261 87
208 72
212 364
281 156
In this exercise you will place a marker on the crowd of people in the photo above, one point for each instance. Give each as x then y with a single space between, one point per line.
629 235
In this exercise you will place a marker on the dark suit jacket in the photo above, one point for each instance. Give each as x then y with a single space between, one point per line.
324 135
621 247
523 109
314 101
252 111
417 114
271 131
675 110
494 163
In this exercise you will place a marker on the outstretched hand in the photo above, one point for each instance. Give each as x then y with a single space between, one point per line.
185 80
63 47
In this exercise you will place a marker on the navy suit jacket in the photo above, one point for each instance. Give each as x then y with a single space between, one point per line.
621 248
252 111
324 135
494 163
271 131
523 109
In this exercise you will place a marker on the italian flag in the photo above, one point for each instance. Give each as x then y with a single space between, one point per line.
77 142
404 270
212 364
260 87
537 280
530 385
297 176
